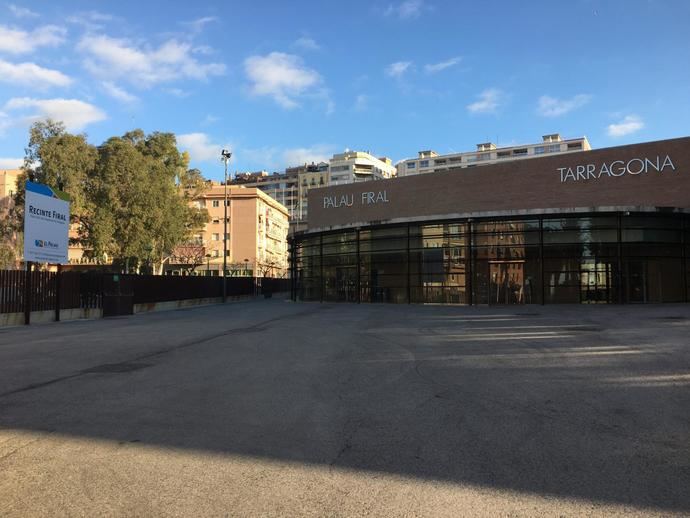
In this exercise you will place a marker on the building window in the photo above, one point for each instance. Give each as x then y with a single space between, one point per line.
215 237
555 148
440 162
227 236
519 152
484 156
411 165
503 154
423 163
216 203
575 145
538 150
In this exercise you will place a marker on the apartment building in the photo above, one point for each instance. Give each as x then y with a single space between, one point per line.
488 153
8 182
289 188
359 166
282 187
256 236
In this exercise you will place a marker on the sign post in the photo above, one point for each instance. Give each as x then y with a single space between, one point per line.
46 234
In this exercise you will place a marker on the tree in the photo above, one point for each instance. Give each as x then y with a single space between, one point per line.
189 256
131 197
140 212
58 159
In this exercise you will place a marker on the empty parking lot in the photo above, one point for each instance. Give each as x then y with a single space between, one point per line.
277 408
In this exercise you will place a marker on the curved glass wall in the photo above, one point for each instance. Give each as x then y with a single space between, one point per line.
592 258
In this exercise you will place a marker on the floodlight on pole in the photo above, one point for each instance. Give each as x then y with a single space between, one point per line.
225 156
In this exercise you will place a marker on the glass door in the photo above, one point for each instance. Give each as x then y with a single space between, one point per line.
506 282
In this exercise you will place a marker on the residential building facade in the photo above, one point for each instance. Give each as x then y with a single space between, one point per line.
359 166
256 238
289 188
488 153
8 182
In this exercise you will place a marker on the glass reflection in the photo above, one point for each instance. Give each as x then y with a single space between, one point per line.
593 259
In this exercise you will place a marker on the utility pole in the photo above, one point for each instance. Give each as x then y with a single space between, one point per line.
226 155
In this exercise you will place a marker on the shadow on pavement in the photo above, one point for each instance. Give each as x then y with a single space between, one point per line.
590 403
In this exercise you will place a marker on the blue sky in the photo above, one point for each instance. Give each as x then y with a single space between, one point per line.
281 83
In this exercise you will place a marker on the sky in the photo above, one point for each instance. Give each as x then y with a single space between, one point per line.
282 83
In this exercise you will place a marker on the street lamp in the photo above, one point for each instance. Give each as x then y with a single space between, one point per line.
226 155
246 267
208 265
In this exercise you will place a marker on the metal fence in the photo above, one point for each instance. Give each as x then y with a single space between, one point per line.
70 290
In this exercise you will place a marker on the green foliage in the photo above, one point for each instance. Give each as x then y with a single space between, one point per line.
60 160
7 256
130 196
139 210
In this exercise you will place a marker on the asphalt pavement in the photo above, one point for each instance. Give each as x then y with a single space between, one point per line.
274 408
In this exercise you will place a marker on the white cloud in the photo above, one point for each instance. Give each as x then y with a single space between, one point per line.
397 69
90 20
629 124
406 10
210 119
74 113
489 101
306 43
438 67
18 41
200 147
361 103
199 24
553 107
283 77
31 74
111 58
21 12
178 92
11 163
204 50
118 93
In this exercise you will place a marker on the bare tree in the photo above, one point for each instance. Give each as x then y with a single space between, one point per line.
190 256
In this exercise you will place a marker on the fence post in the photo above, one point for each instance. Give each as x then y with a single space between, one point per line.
57 292
27 294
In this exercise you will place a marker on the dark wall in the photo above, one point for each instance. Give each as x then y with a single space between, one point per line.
529 184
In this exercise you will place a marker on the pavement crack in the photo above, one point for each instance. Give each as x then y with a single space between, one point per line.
258 327
19 448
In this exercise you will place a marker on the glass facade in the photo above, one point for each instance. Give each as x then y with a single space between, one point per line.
587 258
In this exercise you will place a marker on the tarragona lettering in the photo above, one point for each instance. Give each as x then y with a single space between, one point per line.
634 166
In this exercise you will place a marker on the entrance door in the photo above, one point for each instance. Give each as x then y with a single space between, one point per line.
507 282
637 281
595 283
346 284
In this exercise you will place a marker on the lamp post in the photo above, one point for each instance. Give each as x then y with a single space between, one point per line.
226 157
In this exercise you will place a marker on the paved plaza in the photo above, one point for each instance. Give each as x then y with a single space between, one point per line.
275 408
